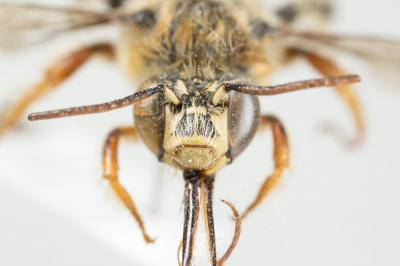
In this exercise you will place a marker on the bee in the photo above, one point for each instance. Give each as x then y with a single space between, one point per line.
201 65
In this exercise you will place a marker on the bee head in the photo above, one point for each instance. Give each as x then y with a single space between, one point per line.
196 124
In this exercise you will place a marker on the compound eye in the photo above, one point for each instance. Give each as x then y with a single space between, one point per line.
171 96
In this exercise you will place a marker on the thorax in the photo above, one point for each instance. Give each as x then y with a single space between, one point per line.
207 39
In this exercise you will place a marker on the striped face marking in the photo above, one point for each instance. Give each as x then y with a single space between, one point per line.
195 134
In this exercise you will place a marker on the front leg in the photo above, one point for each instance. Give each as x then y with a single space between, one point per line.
110 172
281 159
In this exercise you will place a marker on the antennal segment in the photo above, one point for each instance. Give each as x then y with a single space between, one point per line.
97 108
293 86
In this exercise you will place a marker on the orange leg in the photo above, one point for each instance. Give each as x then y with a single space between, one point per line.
328 68
54 76
110 172
281 159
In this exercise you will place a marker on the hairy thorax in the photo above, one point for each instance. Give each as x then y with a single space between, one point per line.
207 39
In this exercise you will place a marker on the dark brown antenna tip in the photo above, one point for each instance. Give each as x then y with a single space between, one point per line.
293 86
97 108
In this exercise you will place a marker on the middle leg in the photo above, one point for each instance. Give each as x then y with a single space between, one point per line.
328 68
54 76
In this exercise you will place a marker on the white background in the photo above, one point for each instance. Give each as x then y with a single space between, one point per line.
334 207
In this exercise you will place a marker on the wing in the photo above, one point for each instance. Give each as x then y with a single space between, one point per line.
366 47
382 55
23 25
